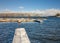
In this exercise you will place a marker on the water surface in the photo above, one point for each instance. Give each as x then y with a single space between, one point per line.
46 32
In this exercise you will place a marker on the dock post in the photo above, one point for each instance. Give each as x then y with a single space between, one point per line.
20 36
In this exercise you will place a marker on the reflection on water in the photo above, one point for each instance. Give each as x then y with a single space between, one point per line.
47 32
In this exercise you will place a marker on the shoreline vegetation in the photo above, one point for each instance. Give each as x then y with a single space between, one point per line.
18 15
15 20
19 20
22 17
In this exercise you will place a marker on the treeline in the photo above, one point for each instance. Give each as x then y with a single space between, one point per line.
17 15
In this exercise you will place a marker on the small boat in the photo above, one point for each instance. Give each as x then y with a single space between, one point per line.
37 21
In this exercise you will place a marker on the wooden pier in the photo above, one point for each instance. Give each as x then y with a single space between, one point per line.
20 36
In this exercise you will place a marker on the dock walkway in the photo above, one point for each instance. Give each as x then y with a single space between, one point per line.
20 36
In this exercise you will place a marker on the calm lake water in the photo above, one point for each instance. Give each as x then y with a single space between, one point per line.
46 32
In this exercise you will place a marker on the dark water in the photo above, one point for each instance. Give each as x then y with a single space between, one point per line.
46 32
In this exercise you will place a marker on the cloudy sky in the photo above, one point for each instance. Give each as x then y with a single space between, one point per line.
37 6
